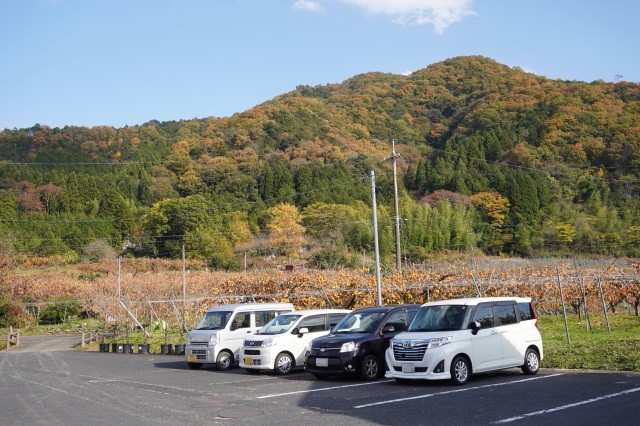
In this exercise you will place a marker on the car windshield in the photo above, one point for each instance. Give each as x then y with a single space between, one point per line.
278 325
438 318
359 322
215 320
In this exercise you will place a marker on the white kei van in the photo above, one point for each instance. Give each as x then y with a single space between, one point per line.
451 339
218 337
280 345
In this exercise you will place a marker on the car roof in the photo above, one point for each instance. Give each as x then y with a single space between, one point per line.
387 308
476 300
308 312
250 306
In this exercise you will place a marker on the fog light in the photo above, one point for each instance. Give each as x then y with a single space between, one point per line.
440 367
350 367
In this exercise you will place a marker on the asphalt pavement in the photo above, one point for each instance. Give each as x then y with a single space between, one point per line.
45 381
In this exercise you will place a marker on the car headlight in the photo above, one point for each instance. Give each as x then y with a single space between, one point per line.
308 348
215 338
269 341
439 341
349 347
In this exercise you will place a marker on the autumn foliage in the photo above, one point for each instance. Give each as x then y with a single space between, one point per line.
153 289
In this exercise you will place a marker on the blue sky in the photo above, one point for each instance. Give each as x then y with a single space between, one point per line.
125 62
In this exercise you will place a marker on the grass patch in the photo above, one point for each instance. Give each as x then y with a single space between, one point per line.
595 349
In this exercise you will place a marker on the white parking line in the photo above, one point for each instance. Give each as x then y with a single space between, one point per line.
322 389
390 401
564 407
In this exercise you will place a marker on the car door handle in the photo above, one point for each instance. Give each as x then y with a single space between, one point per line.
494 333
502 332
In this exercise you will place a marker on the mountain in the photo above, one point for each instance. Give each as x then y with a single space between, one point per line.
491 157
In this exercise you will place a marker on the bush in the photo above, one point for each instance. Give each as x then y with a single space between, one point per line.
60 311
98 250
13 315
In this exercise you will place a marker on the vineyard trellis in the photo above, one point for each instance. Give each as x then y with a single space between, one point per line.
151 290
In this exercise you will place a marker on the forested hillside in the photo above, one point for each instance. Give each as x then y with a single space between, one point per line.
492 159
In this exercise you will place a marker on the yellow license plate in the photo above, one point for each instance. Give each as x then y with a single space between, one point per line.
248 361
191 358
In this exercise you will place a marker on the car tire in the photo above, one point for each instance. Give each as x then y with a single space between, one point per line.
321 376
370 368
194 365
460 370
284 364
531 362
224 361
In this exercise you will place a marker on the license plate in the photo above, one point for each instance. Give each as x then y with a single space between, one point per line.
191 358
322 362
248 361
408 368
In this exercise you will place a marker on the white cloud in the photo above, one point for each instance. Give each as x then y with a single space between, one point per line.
307 5
439 13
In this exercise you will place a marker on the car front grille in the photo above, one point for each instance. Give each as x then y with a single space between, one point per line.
252 343
409 350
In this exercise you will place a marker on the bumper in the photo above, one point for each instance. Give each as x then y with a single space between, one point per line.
333 363
201 354
256 358
435 365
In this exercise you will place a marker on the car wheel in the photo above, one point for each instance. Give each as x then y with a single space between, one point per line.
321 376
460 370
194 365
370 368
284 364
224 360
531 362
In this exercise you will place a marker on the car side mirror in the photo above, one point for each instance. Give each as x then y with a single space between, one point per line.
234 326
389 328
302 331
474 326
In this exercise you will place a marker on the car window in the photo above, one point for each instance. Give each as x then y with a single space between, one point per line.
313 323
243 319
280 324
263 317
398 320
438 318
335 319
359 322
507 314
526 311
214 320
484 315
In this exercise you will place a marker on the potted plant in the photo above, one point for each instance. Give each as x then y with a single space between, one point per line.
165 349
127 348
143 348
179 347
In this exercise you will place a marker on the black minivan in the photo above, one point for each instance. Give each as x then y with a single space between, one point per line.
356 345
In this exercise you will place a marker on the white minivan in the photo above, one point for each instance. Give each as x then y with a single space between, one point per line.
451 339
281 344
218 337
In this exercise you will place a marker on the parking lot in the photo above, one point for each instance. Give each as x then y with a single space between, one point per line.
67 386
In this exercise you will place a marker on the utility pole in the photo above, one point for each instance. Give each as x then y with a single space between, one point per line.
375 236
393 158
184 291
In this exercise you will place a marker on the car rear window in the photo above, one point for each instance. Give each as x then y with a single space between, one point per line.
526 311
